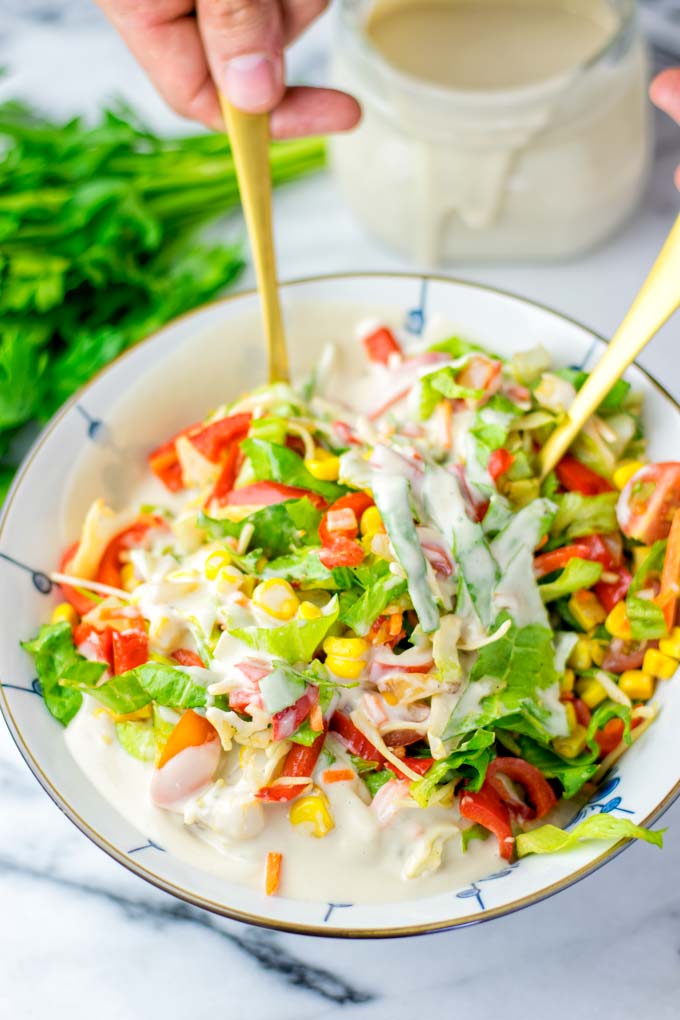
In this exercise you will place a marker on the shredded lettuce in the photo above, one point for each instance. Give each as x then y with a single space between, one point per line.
53 651
548 839
652 564
456 347
614 400
374 600
646 619
579 515
295 641
442 383
154 681
471 759
376 780
475 831
278 529
273 462
577 574
137 738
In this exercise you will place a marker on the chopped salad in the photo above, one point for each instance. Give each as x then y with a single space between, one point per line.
383 597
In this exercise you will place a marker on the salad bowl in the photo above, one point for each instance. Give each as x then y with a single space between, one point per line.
97 446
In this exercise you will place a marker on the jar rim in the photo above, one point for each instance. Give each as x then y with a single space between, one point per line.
350 21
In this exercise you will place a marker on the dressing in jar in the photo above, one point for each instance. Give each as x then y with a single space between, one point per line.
493 129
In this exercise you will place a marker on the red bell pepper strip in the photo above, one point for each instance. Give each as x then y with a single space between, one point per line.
285 722
611 593
130 649
603 551
269 493
81 602
185 657
419 765
353 739
558 558
110 563
192 730
500 461
227 476
381 345
213 439
341 552
538 789
300 762
576 477
357 502
100 641
669 592
487 809
164 462
610 736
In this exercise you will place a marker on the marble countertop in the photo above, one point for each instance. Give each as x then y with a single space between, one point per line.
80 936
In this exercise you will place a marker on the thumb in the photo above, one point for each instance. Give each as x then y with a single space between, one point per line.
243 41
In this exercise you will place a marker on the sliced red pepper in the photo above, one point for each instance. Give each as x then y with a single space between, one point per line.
419 765
185 657
610 736
354 740
538 789
110 563
285 722
101 641
227 476
164 462
582 712
487 809
381 345
357 502
269 493
576 477
341 552
500 461
81 603
130 649
558 558
606 550
300 762
611 593
213 439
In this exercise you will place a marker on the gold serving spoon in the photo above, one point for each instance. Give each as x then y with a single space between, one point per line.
249 137
656 301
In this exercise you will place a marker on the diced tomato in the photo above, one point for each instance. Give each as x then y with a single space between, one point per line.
670 575
576 477
648 502
353 739
582 712
81 602
538 789
611 593
487 809
185 657
213 439
100 641
341 552
357 502
130 649
192 730
110 563
269 493
227 476
558 558
285 722
299 763
381 345
610 736
500 461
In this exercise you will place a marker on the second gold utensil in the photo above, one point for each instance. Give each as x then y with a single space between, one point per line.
658 298
249 136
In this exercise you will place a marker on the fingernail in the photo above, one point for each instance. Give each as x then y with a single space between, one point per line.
251 82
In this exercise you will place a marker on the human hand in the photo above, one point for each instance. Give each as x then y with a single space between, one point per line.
190 48
665 92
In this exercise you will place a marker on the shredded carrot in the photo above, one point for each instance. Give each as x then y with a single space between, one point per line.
542 542
394 624
272 876
316 719
337 776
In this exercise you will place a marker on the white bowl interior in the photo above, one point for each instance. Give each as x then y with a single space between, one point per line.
97 446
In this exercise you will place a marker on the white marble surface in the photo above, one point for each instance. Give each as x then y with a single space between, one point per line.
79 936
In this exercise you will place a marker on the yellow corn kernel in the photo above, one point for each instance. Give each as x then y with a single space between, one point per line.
590 691
659 665
567 681
348 647
571 746
570 713
347 669
580 658
214 563
371 521
587 609
308 611
638 685
617 623
598 650
625 472
323 465
65 613
671 644
313 814
127 576
390 698
277 598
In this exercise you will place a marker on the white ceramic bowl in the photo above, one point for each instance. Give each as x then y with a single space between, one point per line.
96 445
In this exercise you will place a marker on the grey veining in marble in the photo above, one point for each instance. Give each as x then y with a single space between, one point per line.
81 937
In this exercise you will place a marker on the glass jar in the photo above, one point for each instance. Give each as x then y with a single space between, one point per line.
539 172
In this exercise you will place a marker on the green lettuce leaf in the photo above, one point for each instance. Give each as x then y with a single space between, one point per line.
652 564
53 651
154 681
442 383
295 641
548 839
614 400
278 529
375 599
272 462
576 575
470 759
455 347
579 515
572 773
475 831
282 688
137 738
601 716
376 780
646 619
